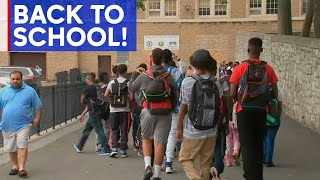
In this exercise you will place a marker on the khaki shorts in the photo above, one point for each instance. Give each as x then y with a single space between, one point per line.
155 127
12 141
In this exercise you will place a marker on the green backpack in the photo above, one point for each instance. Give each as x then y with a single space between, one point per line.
273 117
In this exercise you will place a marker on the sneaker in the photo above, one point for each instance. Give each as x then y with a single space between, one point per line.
77 148
123 154
113 153
214 173
169 168
135 144
148 173
103 153
228 160
270 164
140 153
98 147
236 159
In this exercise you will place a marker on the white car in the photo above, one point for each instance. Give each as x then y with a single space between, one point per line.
4 81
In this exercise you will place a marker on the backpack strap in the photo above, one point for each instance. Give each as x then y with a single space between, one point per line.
115 81
149 74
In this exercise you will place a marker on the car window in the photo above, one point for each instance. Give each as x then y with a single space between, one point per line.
24 72
34 72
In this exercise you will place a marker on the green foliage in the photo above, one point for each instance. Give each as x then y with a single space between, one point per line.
140 4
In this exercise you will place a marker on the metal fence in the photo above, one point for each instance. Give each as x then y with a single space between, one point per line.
60 104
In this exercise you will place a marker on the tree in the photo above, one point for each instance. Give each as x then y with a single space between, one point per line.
140 4
284 17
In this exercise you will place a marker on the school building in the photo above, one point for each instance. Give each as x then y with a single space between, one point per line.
180 25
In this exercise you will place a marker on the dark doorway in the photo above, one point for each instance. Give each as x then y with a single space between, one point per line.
104 64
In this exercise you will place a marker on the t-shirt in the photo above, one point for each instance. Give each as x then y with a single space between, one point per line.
185 96
90 93
122 109
239 71
18 107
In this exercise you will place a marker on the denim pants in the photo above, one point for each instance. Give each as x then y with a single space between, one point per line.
219 151
94 122
270 136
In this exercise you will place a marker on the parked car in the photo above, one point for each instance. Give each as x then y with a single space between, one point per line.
29 75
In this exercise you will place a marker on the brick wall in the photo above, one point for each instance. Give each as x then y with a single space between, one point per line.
296 63
60 61
4 58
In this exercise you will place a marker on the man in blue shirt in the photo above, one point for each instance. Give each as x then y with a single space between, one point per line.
18 103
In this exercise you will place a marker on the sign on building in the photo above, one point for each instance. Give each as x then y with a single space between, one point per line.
161 41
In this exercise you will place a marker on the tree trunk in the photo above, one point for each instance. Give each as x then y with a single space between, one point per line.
316 20
284 17
308 20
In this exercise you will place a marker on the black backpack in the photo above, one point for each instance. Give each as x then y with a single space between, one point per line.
254 93
157 94
99 102
119 94
204 108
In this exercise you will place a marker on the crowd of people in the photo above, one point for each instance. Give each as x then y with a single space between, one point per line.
203 111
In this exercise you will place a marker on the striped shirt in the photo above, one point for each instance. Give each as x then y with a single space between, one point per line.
189 131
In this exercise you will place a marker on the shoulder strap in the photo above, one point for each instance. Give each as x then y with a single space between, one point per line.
149 74
196 77
115 81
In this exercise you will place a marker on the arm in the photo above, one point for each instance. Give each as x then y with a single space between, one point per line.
135 82
233 90
83 99
182 67
37 105
36 121
83 114
182 112
274 92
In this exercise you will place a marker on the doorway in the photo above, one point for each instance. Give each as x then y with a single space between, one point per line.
104 64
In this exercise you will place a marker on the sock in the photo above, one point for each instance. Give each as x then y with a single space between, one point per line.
157 170
147 161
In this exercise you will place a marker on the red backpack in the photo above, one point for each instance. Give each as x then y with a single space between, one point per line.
157 94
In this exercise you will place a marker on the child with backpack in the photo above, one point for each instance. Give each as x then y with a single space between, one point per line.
159 99
200 100
272 127
120 118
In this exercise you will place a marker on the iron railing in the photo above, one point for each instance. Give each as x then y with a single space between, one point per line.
61 103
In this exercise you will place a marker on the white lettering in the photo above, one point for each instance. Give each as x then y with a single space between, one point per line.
49 14
97 9
18 14
38 15
107 14
72 13
31 36
23 38
82 35
103 36
52 36
111 42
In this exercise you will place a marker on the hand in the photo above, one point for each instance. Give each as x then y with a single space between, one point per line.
35 122
176 58
140 70
179 135
81 118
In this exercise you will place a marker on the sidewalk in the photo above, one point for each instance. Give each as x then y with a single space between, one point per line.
297 157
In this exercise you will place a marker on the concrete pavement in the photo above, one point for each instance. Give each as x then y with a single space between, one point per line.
297 157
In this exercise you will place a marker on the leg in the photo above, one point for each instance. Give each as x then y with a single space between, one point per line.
22 144
229 146
271 135
219 152
206 155
125 119
10 145
236 142
98 127
106 127
188 152
85 134
171 144
135 126
14 160
258 142
115 131
22 158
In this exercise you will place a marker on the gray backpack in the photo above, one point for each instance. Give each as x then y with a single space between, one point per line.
204 108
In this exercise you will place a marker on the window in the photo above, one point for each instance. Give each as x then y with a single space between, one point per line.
272 6
122 57
219 7
263 7
304 6
159 8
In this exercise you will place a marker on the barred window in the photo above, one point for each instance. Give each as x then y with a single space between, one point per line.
304 6
272 6
213 7
123 56
255 7
160 8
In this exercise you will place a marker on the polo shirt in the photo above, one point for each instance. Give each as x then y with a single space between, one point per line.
240 70
18 107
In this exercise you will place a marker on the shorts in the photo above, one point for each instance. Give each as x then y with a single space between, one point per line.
156 127
12 141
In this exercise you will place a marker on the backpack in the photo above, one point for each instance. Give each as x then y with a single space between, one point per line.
254 93
105 109
273 117
119 94
100 101
157 94
204 107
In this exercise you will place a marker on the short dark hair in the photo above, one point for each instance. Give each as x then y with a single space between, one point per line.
167 56
122 68
115 69
255 44
229 72
213 66
143 65
157 56
91 76
16 72
201 59
102 75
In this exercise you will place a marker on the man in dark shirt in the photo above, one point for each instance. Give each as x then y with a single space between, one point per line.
89 97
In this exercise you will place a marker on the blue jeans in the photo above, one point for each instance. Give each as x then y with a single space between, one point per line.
94 122
270 135
219 151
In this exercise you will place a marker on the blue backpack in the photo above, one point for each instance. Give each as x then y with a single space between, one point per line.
172 71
